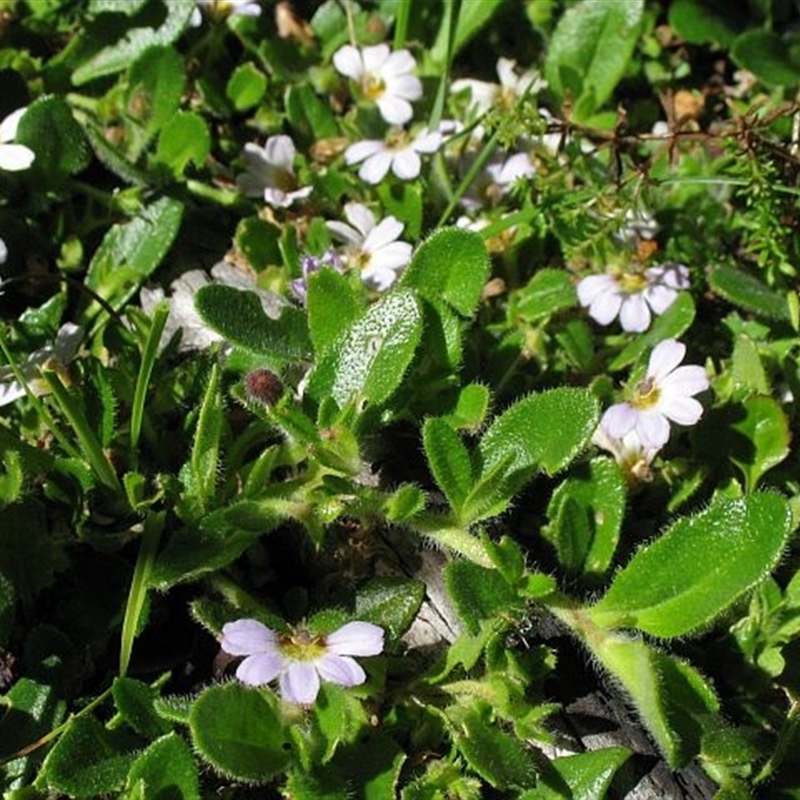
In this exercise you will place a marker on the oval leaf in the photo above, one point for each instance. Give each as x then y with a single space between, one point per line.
449 460
666 590
239 733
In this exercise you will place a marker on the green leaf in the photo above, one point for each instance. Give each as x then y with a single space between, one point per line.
747 370
766 428
676 704
391 603
471 408
702 21
589 52
406 501
309 115
156 82
478 593
130 252
165 770
585 776
332 308
586 512
184 138
368 362
449 461
134 701
246 86
748 292
121 54
238 731
86 761
496 756
218 540
239 316
200 473
548 292
544 430
768 56
507 556
49 129
451 265
667 591
471 18
670 325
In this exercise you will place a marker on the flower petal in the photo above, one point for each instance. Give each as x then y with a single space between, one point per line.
341 669
344 232
398 63
348 62
683 410
653 428
261 668
592 286
375 57
683 382
374 169
634 314
364 149
356 639
660 298
395 110
406 165
300 683
619 419
665 357
360 217
605 307
8 127
246 636
384 233
15 157
393 256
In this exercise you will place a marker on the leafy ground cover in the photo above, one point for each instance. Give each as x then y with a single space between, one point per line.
381 380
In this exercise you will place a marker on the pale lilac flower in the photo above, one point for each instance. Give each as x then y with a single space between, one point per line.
398 152
511 88
632 456
57 356
666 393
372 248
224 8
384 78
311 264
269 173
633 296
300 660
13 157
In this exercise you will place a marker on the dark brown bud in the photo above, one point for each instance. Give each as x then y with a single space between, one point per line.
263 386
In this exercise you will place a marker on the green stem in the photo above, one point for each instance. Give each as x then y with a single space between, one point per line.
453 538
149 353
153 526
401 23
785 738
86 438
452 12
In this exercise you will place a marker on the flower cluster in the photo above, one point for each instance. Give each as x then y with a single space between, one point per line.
300 660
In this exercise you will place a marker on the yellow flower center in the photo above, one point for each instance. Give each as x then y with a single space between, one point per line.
302 646
373 87
645 395
397 140
632 282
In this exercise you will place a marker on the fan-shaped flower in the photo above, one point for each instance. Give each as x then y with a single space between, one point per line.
224 8
512 86
269 173
13 157
384 78
633 296
300 660
665 394
398 152
372 247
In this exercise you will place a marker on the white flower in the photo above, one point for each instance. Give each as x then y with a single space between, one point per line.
666 393
512 86
496 179
223 8
384 78
300 660
13 157
634 296
372 249
269 172
397 152
3 252
632 456
54 356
